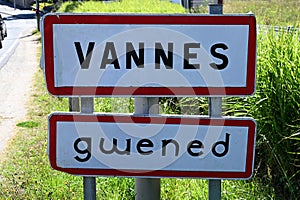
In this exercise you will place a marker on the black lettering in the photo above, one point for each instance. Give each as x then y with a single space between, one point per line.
224 143
195 144
87 150
188 55
110 50
131 53
223 57
166 142
115 147
84 62
160 53
144 143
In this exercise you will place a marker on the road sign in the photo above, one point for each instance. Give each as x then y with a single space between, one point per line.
149 55
156 146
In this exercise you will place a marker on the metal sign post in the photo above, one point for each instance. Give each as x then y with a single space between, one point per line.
74 104
214 185
215 110
87 107
146 188
89 183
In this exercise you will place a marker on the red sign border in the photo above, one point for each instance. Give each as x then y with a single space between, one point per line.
67 117
52 19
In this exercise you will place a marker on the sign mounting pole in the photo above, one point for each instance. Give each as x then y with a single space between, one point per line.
74 104
87 106
146 188
215 110
89 183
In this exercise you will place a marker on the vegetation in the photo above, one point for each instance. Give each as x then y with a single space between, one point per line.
268 12
26 173
125 6
276 108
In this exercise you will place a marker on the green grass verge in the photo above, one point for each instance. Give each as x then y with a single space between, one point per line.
270 12
276 107
124 6
267 12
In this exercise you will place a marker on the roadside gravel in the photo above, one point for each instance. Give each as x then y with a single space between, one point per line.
16 81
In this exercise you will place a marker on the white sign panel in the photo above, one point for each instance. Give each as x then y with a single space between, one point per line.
150 55
152 146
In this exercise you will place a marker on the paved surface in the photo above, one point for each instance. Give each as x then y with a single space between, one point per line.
16 22
16 79
7 10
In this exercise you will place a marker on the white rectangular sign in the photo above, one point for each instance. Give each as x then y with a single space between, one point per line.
149 55
162 146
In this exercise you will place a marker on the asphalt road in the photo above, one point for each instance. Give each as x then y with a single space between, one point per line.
17 22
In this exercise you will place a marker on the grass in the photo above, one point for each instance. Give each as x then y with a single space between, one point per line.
276 108
26 174
124 6
268 12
